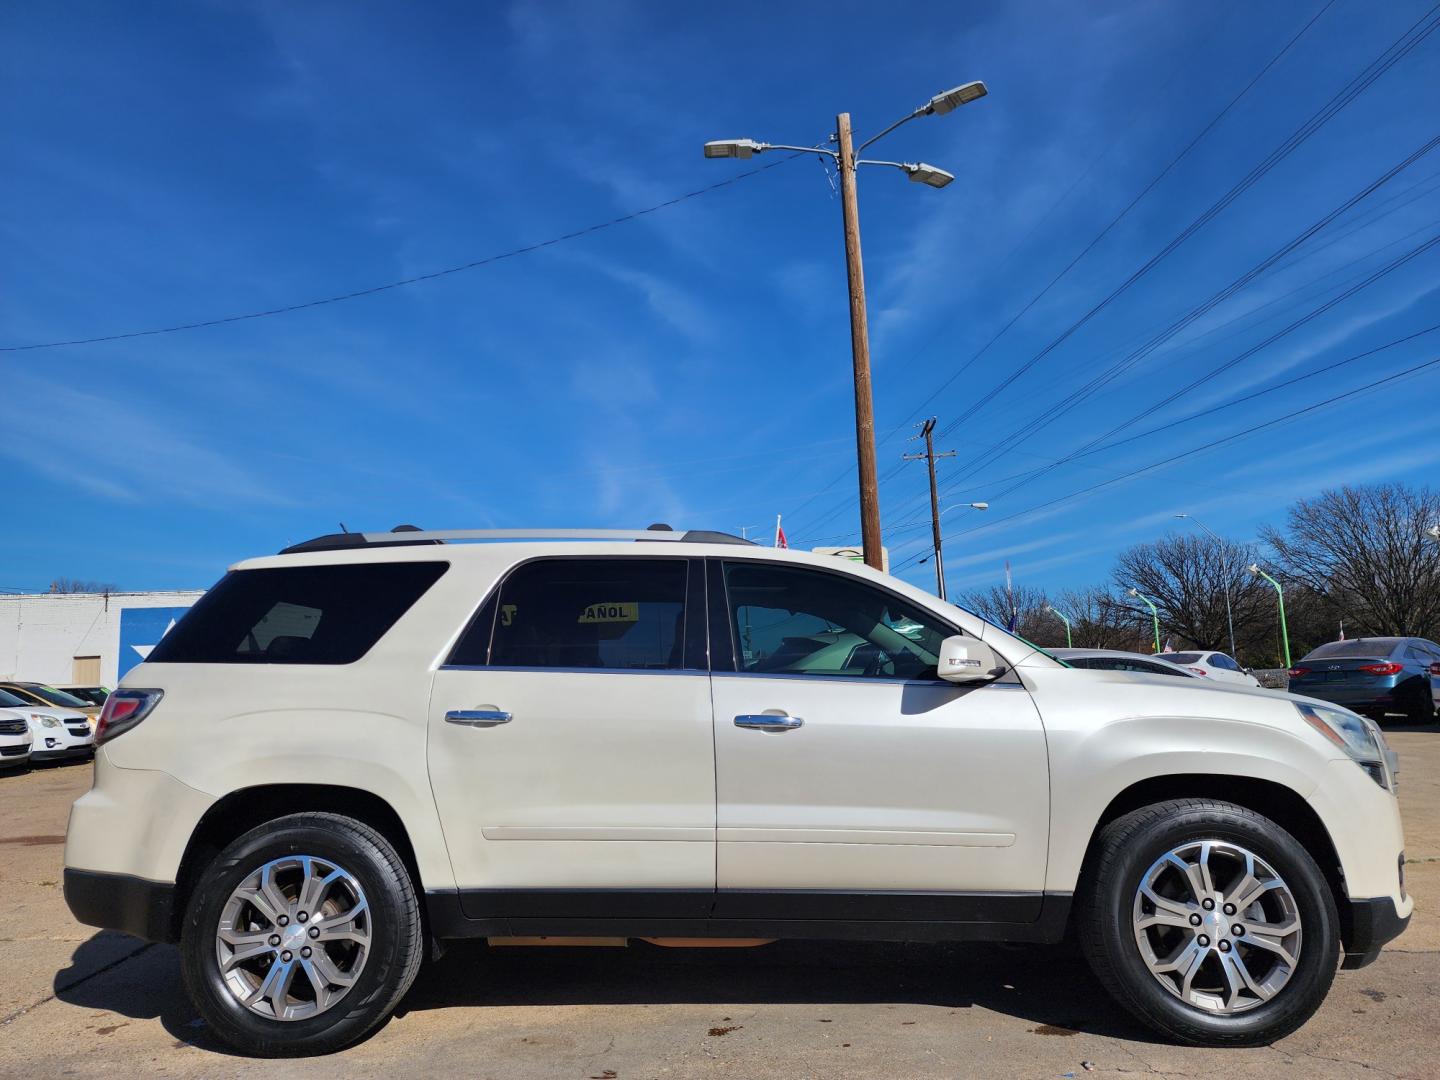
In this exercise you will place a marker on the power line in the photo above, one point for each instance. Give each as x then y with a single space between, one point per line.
1387 59
1369 387
417 279
1243 399
1315 313
1390 56
1074 261
1075 397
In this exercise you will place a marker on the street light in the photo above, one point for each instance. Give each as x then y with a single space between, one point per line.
939 555
1069 643
965 506
1154 614
1254 568
953 99
1229 619
736 148
846 163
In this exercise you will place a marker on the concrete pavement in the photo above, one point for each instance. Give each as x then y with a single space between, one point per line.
77 1002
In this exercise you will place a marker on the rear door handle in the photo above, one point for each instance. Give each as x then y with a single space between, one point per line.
768 722
477 717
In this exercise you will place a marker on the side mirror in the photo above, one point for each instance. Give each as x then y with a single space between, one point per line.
968 660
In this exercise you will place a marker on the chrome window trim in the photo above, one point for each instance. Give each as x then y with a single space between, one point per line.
576 670
865 680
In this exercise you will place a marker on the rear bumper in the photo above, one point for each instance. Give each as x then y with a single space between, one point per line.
1367 926
63 753
1356 698
121 902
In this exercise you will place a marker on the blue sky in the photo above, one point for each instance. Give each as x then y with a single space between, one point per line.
171 163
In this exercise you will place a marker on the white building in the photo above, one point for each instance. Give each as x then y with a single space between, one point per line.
84 638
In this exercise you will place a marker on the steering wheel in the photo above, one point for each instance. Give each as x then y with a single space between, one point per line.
879 662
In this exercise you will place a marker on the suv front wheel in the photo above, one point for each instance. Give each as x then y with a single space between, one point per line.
1209 922
302 936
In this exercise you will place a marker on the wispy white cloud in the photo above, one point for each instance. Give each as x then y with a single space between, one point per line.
128 454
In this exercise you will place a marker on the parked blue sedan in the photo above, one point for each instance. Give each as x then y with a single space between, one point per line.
1377 676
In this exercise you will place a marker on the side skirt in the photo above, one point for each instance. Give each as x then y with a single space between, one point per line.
1021 917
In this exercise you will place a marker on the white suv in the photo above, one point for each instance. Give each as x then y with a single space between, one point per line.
366 745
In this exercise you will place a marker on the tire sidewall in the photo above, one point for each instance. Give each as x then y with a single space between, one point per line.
1319 951
366 1003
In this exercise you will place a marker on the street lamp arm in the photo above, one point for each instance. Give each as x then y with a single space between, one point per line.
943 102
802 150
903 120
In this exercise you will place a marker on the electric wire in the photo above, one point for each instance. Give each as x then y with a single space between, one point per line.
414 280
1295 414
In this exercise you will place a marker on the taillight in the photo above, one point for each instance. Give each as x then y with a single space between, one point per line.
123 710
1199 671
1385 667
1435 669
1299 672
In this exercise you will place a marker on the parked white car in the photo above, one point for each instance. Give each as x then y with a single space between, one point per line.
368 744
1120 660
1211 665
59 734
15 739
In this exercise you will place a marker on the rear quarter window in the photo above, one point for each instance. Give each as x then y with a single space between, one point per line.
297 614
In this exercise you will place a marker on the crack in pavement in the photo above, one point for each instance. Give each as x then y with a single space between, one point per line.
78 982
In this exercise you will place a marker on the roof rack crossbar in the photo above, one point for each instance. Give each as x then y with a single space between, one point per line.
523 534
409 537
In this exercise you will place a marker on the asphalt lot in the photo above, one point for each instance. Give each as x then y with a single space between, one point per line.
78 1002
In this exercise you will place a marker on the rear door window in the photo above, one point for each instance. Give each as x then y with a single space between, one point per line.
625 614
296 614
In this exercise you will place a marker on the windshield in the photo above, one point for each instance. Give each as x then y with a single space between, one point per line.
58 698
1380 646
1184 659
10 701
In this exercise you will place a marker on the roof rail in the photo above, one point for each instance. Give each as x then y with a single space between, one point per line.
410 536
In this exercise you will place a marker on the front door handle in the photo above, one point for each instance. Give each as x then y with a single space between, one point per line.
477 717
768 721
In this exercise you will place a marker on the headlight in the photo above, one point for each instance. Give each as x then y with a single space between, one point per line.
45 721
1359 738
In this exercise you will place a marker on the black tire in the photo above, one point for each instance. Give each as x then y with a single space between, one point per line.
1420 709
395 951
1128 847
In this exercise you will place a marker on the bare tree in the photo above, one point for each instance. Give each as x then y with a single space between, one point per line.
1366 550
75 585
1032 622
1099 621
1187 577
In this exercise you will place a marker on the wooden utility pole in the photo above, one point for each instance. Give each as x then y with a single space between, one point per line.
860 348
927 431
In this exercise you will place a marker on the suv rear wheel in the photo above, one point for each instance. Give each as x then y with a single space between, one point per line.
302 936
1209 922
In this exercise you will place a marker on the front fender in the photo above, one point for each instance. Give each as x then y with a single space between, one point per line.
1090 766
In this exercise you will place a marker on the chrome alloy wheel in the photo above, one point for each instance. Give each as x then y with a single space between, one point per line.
293 937
1217 926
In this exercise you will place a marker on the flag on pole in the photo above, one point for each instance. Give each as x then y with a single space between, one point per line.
780 540
1342 629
